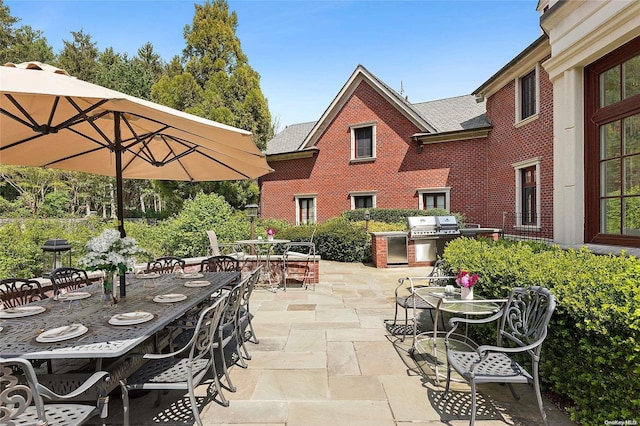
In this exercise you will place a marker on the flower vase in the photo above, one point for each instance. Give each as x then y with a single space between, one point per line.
107 288
269 237
466 293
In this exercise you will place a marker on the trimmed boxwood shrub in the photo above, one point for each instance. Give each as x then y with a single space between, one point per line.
591 355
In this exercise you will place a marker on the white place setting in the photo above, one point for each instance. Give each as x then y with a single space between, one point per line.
190 275
21 311
62 333
130 318
77 295
197 283
170 298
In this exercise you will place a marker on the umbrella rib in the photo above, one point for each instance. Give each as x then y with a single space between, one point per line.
15 103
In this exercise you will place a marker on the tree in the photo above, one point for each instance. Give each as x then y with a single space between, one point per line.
151 61
125 75
80 57
7 34
23 43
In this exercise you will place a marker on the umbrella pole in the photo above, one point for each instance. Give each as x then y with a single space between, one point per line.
120 203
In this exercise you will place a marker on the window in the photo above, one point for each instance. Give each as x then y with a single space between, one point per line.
363 142
433 198
527 95
363 200
528 193
305 210
612 148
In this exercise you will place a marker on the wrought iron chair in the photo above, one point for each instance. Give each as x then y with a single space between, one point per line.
227 334
172 372
299 262
19 291
244 312
220 263
165 265
68 278
408 300
523 328
23 398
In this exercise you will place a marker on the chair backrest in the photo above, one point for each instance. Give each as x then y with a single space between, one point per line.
165 265
220 264
68 278
213 242
235 297
248 288
526 317
17 394
440 270
19 291
204 334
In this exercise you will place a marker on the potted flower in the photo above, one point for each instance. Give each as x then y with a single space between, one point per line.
466 281
110 254
270 233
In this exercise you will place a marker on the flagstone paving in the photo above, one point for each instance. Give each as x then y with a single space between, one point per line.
325 357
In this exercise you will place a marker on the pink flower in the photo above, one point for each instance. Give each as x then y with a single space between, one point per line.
271 231
465 279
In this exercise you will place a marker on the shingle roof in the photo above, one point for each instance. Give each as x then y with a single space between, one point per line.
444 115
289 139
453 114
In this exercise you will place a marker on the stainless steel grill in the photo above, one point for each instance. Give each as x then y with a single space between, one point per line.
432 226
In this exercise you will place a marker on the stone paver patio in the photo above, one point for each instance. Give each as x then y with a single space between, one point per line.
325 357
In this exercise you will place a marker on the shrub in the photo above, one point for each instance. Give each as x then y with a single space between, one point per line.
591 355
337 239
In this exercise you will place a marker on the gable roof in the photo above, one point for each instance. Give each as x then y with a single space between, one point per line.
434 117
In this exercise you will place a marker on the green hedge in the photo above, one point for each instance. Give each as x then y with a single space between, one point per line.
398 216
591 355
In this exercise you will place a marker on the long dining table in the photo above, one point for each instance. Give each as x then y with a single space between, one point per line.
107 342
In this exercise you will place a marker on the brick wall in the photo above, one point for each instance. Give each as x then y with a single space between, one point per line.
398 171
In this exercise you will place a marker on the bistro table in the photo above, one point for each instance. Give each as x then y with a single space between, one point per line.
427 342
263 248
103 342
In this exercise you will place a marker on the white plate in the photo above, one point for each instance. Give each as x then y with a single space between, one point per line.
147 276
21 311
197 283
74 296
169 298
190 275
130 318
62 333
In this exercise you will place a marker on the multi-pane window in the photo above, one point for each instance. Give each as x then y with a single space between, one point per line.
435 200
306 211
528 91
620 176
528 195
363 141
612 147
363 201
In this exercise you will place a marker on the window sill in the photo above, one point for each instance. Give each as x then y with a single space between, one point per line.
526 121
362 160
527 227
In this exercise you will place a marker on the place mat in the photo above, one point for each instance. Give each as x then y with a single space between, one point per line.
197 283
147 276
59 334
169 298
130 318
190 275
77 295
21 311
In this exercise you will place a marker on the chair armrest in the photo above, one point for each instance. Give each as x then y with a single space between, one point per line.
91 381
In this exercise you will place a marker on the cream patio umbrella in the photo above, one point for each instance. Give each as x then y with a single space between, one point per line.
50 119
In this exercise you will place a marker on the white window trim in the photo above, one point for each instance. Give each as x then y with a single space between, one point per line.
519 121
445 189
352 129
372 194
518 167
315 206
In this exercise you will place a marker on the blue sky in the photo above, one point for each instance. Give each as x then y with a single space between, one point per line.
306 50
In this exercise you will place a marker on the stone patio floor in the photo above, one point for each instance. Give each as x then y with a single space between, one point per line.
326 357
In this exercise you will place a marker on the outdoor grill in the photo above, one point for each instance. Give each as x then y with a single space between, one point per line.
432 226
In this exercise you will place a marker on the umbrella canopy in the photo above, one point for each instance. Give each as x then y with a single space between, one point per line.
50 119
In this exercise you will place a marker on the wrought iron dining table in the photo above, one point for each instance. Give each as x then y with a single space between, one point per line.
104 343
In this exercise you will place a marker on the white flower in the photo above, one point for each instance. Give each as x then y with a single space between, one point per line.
109 252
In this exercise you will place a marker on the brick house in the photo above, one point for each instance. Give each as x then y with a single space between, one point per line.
522 152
